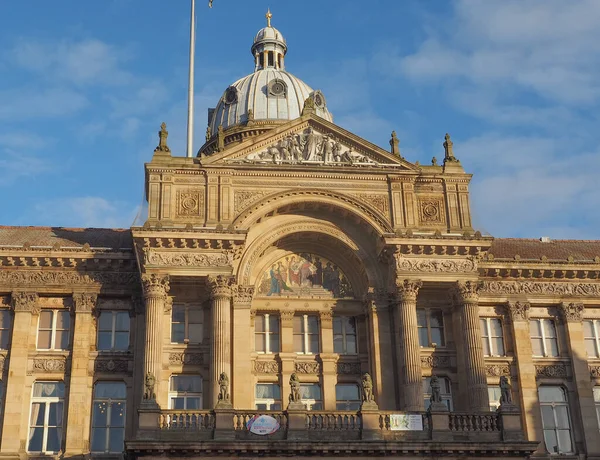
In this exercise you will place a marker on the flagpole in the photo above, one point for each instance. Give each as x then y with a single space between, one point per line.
190 127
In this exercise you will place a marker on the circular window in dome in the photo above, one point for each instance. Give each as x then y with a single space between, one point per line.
277 88
319 99
231 95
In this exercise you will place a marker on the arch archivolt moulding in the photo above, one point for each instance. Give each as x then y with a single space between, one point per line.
350 204
251 259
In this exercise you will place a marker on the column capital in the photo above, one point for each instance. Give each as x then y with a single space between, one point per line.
85 302
243 294
466 291
518 311
220 286
155 285
571 312
287 317
326 318
407 290
25 301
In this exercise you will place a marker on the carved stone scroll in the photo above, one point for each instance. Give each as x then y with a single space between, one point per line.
266 367
187 259
186 358
111 366
310 367
497 370
551 370
22 278
348 368
541 288
429 265
435 361
49 365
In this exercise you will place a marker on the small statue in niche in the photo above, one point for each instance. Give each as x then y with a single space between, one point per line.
505 391
295 388
223 387
436 390
367 388
149 384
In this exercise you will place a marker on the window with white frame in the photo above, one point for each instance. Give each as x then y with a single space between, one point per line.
543 337
185 392
494 394
266 333
46 417
597 403
268 396
492 337
430 324
310 395
344 335
591 334
113 331
108 417
556 422
5 323
53 331
445 391
347 396
186 324
306 334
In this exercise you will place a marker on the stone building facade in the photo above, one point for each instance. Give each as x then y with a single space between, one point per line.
295 270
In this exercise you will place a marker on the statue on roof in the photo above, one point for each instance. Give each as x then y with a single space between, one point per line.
449 150
163 134
395 145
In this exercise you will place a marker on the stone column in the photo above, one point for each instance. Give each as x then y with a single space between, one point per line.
572 316
409 351
467 299
80 383
17 400
242 344
220 345
156 288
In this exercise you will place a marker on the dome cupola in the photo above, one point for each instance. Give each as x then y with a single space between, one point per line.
269 47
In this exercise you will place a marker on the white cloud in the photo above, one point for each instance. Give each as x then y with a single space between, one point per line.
87 211
16 165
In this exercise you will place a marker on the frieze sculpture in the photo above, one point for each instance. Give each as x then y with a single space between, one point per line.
541 288
187 259
308 367
497 370
112 366
266 367
595 371
243 294
49 365
149 384
185 358
67 278
348 368
551 370
435 361
571 312
435 265
518 311
310 147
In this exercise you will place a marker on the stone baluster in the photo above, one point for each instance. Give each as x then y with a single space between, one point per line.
411 387
220 345
467 298
156 288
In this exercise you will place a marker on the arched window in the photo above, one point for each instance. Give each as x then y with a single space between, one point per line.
108 417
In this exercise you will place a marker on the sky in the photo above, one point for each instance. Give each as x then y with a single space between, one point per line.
84 86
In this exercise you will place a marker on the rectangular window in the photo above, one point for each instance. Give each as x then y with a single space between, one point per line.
266 333
186 324
555 419
306 334
268 396
543 337
46 418
108 417
430 324
5 322
446 392
597 403
310 395
185 392
591 333
344 335
492 338
53 332
347 397
494 397
113 330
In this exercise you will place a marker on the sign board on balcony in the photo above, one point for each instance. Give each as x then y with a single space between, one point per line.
406 422
262 425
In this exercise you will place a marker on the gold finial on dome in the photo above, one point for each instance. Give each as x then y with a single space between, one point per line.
268 16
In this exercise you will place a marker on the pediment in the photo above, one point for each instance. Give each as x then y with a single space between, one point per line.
308 141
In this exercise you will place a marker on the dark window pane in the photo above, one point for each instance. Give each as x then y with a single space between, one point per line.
177 403
536 345
564 441
423 339
192 403
105 321
548 417
194 316
122 321
436 319
313 325
113 390
99 414
46 319
117 414
276 406
178 314
116 436
98 439
350 344
62 340
298 324
104 340
38 411
337 325
437 336
4 319
44 340
552 345
259 323
55 414
338 344
273 323
121 340
551 441
178 333
63 320
499 344
590 346
421 318
261 406
53 441
4 335
36 437
195 332
313 343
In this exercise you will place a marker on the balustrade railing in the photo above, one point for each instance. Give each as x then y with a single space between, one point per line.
336 421
473 422
186 420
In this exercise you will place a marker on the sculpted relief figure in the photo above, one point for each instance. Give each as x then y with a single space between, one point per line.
367 388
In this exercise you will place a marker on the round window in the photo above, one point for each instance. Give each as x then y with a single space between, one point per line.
277 88
231 95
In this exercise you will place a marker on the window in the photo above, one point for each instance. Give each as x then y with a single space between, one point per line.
597 403
5 320
1 396
591 332
186 324
494 397
431 328
185 392
108 417
268 396
347 397
46 419
113 330
53 331
266 333
555 419
543 337
492 337
344 335
445 391
310 395
306 334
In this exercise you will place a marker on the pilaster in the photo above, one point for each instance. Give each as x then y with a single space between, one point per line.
328 360
409 362
80 396
242 392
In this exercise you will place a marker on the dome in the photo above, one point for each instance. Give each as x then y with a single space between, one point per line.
269 93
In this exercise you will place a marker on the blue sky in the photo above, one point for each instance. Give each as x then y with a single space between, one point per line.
84 86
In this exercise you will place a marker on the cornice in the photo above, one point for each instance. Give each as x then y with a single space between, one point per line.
76 260
174 240
19 278
538 271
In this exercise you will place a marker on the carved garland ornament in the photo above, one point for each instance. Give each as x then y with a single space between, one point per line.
541 288
242 199
186 358
56 278
187 259
49 365
435 265
310 367
430 362
190 203
431 211
266 367
497 370
243 294
595 371
551 370
111 366
348 368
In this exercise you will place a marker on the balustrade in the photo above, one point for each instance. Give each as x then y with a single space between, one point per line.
186 420
337 421
241 418
474 422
